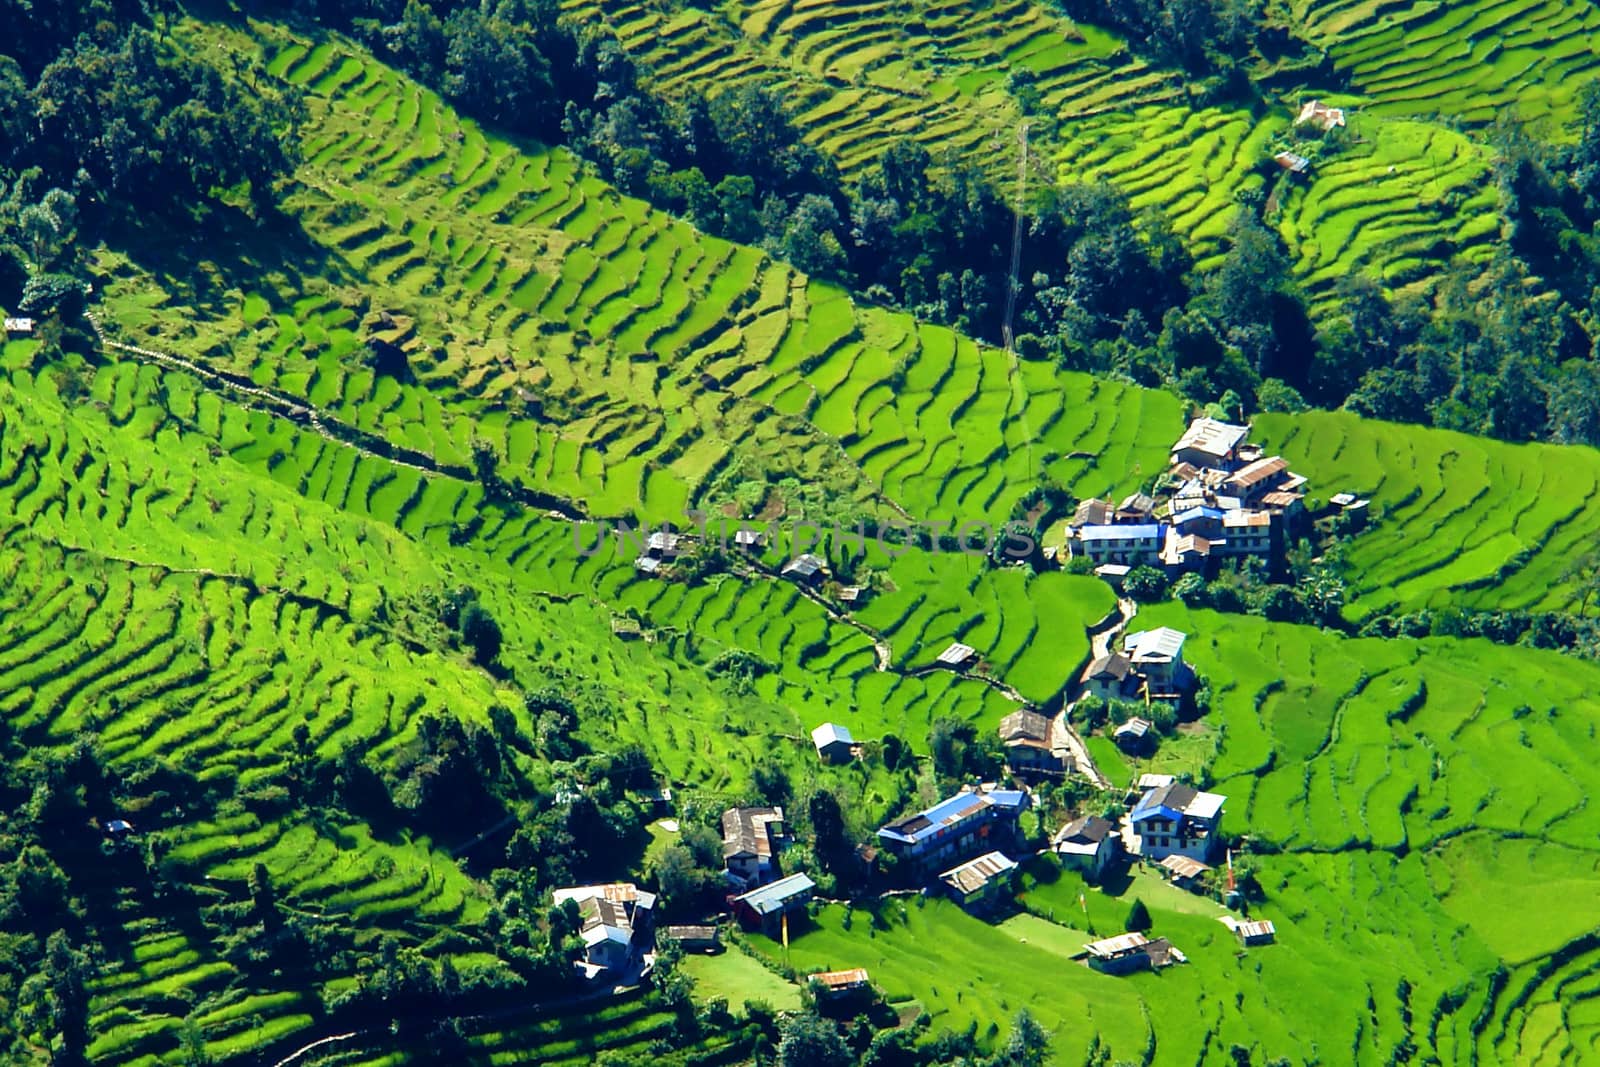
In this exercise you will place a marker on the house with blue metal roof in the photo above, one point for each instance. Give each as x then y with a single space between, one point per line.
765 907
1177 820
1132 543
975 820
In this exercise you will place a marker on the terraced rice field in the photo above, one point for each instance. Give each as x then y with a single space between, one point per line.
860 72
1471 61
671 356
1465 521
1402 198
1187 164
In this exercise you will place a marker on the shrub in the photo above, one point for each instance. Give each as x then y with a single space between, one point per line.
1145 584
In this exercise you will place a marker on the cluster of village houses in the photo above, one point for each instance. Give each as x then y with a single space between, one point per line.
963 847
1220 497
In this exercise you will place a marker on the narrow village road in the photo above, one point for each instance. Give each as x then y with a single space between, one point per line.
1101 640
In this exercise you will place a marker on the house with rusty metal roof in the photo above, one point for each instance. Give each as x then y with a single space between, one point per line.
751 841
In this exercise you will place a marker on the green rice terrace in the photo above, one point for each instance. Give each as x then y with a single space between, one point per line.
1399 199
329 665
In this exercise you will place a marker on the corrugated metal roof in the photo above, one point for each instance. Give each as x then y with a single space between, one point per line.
1161 643
773 897
1120 945
1133 530
1211 436
974 874
828 733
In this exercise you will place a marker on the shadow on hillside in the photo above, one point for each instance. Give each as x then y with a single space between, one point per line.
199 260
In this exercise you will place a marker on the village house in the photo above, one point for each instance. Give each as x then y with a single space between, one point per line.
751 841
1186 552
1091 512
22 326
615 925
1026 736
1130 544
1320 115
1131 952
749 540
980 884
1156 656
1185 873
1089 845
982 818
1252 931
1209 443
1107 676
958 657
1177 820
694 938
1254 481
832 987
661 544
764 908
1135 735
834 743
1247 533
806 569
1292 162
1135 509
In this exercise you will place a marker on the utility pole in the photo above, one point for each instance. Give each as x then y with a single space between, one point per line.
1013 286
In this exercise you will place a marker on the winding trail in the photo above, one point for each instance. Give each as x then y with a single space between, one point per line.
1101 639
373 446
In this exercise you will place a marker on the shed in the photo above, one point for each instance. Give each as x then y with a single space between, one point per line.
957 656
1183 870
765 907
840 985
695 938
977 883
1133 734
833 742
1257 932
1294 164
804 568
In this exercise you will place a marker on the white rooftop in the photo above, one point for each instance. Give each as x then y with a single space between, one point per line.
1211 437
1162 643
828 733
1205 805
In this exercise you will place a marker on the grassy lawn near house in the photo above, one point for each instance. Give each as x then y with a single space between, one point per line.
735 977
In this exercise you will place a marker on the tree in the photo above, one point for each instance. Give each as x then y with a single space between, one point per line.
1277 396
481 633
677 877
1138 917
1145 584
808 1040
1027 1044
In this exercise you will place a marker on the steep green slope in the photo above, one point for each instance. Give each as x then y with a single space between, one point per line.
1400 201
